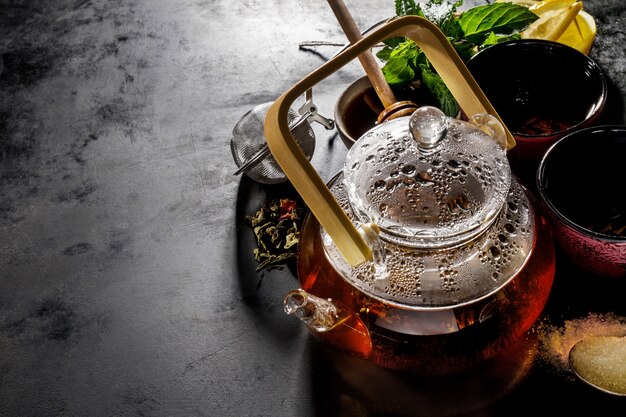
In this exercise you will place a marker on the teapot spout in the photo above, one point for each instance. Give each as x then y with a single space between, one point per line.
318 314
330 322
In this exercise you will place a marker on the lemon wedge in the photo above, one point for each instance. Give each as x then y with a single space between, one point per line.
563 21
555 16
581 33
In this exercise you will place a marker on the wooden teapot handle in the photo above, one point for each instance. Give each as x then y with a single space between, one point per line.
297 167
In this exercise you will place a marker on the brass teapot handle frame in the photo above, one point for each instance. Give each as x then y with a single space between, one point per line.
297 167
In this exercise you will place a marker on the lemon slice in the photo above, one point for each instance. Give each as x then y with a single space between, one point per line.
563 21
581 33
555 17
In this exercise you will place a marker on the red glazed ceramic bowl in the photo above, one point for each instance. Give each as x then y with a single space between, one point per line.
543 91
581 182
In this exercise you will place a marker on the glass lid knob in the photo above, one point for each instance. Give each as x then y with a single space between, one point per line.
428 125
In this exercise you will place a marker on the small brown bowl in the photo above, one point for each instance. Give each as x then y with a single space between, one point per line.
358 108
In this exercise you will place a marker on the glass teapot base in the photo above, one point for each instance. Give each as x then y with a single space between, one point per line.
386 392
485 328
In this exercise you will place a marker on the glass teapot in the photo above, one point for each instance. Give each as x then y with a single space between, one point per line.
424 253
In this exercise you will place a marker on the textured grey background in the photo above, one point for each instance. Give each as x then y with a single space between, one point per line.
126 284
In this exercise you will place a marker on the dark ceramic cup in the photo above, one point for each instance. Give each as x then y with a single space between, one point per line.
582 184
543 91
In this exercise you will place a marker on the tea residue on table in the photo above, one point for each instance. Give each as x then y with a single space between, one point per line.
556 342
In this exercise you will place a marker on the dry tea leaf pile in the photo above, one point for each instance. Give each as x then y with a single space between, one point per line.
276 227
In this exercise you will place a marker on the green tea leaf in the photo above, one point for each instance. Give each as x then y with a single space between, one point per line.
276 226
501 18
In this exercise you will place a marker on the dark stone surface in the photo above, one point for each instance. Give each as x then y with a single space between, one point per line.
126 281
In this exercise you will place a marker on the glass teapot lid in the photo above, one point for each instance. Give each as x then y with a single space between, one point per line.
428 181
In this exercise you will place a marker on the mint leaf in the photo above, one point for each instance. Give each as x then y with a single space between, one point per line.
438 88
451 28
407 49
464 49
384 53
394 42
390 45
501 18
401 64
493 39
398 72
407 7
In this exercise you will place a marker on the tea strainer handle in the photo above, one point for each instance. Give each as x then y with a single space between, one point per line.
297 167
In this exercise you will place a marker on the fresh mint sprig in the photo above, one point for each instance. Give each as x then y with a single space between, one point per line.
500 19
468 32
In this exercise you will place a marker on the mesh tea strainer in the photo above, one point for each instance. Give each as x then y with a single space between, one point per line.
249 147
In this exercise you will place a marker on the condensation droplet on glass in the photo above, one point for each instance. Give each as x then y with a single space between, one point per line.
453 164
408 169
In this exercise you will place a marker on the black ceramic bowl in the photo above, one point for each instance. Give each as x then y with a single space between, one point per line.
581 182
542 90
